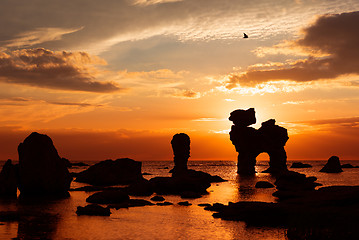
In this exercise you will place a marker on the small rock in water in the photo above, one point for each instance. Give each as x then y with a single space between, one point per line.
158 198
300 165
93 210
185 203
348 165
204 205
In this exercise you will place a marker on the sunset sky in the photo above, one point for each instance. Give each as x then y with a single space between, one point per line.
118 78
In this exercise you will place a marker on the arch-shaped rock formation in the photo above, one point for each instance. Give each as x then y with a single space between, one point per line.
250 142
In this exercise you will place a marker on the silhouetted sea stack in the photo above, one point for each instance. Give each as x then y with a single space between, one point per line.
181 151
41 170
8 180
250 142
184 181
332 166
109 172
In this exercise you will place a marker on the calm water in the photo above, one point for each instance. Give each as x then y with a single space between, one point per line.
58 220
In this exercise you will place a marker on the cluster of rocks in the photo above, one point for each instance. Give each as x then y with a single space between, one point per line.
40 172
250 142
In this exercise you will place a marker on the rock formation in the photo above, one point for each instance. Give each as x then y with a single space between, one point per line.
250 142
332 166
41 170
8 180
109 172
183 180
181 151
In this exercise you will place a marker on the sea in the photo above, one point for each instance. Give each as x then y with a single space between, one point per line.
57 219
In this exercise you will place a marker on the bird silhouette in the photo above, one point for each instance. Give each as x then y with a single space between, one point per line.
245 35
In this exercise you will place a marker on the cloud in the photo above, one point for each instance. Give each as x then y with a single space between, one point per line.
333 36
186 93
150 2
39 35
73 71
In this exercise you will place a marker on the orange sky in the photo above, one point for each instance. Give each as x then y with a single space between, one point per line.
121 78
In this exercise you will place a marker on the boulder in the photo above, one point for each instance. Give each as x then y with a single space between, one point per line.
332 166
300 165
108 197
109 172
243 118
41 170
8 180
93 210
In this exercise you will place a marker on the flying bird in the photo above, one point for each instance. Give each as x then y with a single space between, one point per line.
245 35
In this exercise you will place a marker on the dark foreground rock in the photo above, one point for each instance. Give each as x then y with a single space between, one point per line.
179 185
109 172
41 170
332 166
293 184
326 213
140 188
108 197
93 210
8 180
300 165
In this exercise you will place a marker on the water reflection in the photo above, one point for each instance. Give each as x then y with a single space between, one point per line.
245 186
38 219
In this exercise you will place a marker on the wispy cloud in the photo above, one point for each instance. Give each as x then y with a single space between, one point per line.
39 35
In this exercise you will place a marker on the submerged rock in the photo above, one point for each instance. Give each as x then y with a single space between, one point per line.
264 184
109 172
348 165
332 166
8 180
41 170
93 210
164 203
300 165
